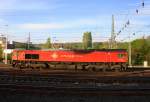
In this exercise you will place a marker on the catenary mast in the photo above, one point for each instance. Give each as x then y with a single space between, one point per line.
112 39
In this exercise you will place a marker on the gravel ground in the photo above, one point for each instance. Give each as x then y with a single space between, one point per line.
70 98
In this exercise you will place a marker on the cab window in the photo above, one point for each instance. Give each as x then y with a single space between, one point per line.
121 55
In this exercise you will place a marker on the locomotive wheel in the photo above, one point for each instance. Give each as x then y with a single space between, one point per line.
94 69
18 65
104 70
46 65
13 65
90 68
117 69
123 67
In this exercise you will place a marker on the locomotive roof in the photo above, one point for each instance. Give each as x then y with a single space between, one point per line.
91 50
100 50
80 50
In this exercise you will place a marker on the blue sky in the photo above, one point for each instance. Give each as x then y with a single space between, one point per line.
66 20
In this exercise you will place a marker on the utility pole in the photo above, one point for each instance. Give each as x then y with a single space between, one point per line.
112 40
29 41
130 49
6 45
6 51
53 43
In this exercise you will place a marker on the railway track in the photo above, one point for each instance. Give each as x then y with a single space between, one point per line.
72 80
74 76
74 88
75 82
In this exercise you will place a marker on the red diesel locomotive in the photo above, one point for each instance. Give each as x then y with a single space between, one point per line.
71 59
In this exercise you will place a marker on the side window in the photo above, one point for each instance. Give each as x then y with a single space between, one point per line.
31 56
35 56
27 56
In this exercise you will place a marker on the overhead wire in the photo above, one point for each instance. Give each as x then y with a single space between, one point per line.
128 22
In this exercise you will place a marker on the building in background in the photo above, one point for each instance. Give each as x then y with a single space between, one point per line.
3 42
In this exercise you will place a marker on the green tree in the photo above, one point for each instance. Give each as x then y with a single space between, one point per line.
97 45
140 51
47 45
87 40
148 55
